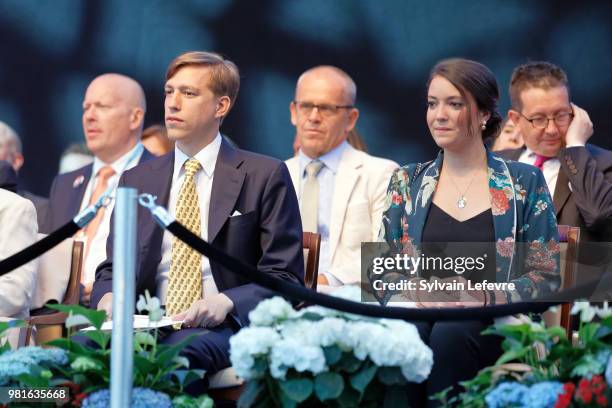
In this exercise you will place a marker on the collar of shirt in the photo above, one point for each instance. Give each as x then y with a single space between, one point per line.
529 156
331 159
207 158
125 162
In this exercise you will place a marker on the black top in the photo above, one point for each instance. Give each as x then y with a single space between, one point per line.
442 228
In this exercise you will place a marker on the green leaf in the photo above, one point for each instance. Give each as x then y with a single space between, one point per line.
362 378
395 396
587 366
144 338
512 355
85 363
143 366
96 317
186 377
333 354
187 401
181 362
391 376
349 363
287 402
349 398
328 385
37 377
260 366
298 390
167 353
250 394
311 316
101 338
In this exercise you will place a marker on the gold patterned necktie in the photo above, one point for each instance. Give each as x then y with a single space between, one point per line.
185 278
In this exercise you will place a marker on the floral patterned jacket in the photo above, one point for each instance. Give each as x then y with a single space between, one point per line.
522 213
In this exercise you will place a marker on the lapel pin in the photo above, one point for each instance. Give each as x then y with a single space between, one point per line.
78 181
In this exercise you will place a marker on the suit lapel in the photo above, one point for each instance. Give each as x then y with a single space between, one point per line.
346 179
227 184
293 165
158 183
562 191
515 154
77 192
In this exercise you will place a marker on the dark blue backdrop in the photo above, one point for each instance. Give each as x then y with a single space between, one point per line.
50 50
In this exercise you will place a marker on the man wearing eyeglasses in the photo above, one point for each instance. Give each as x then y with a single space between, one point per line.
556 131
341 190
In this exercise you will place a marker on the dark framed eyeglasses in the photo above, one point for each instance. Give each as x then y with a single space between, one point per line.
541 122
326 110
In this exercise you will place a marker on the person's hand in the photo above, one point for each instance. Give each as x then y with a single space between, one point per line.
581 128
209 312
86 293
106 304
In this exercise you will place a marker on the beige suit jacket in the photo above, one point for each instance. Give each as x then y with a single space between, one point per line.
357 205
18 229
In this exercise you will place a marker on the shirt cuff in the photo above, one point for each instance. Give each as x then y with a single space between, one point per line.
575 145
333 281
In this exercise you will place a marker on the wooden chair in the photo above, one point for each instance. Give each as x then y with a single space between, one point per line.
226 385
68 254
569 238
312 248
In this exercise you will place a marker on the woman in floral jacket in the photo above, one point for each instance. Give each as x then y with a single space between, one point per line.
468 194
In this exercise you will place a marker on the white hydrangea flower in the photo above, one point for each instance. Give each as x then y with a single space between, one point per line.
290 353
604 311
272 311
249 343
587 312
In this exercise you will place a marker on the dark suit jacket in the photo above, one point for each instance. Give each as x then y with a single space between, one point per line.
588 204
8 181
67 193
268 234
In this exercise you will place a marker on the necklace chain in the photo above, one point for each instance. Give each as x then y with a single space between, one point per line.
462 201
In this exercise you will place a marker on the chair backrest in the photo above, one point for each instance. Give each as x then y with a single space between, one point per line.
59 274
569 238
312 247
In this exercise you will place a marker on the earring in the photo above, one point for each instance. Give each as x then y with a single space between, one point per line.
484 125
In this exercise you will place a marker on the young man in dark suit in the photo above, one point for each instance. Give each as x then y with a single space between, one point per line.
242 203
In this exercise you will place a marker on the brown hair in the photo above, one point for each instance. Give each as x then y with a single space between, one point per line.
477 80
224 74
536 74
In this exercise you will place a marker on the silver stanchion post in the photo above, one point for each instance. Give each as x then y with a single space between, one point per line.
124 264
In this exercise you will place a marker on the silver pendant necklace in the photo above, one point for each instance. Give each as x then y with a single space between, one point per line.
462 201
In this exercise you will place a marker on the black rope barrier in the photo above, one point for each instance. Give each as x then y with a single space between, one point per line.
300 293
38 248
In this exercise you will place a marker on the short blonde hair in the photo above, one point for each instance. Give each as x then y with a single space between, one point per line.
224 74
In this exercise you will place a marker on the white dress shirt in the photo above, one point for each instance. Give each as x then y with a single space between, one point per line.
97 247
550 168
327 180
203 180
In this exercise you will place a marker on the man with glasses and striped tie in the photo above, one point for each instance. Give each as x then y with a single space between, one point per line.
579 175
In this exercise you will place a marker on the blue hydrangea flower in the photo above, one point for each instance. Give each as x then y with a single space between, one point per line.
543 394
19 361
507 394
141 398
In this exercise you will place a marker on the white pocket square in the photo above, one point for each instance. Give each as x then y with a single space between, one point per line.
236 214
